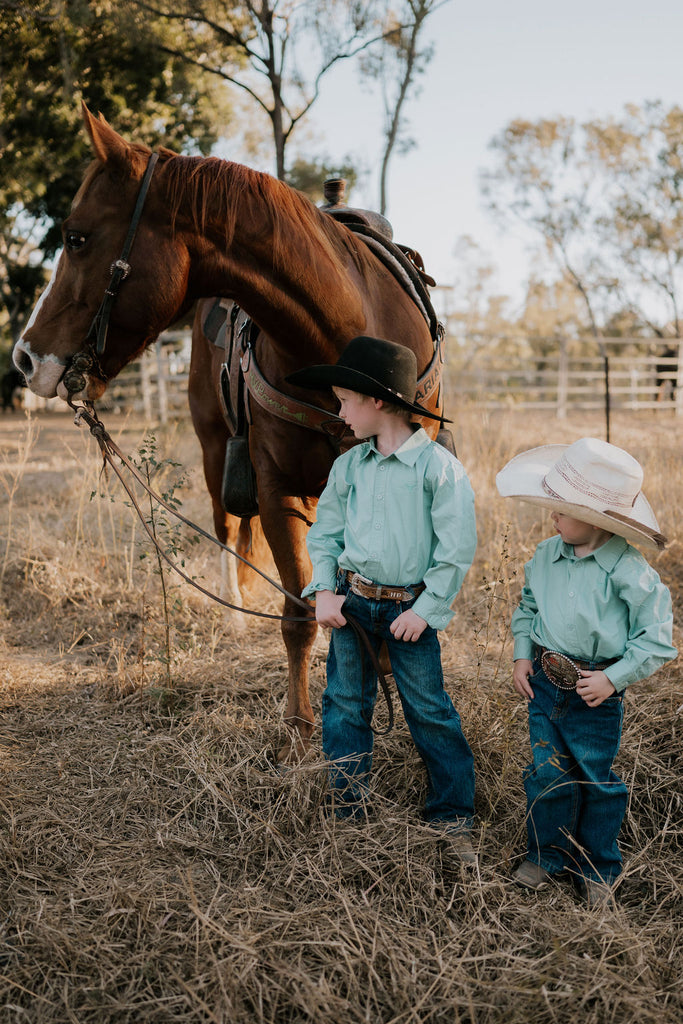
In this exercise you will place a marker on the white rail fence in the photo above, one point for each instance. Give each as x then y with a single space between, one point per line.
643 375
154 386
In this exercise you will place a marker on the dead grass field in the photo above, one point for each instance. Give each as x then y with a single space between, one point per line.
156 868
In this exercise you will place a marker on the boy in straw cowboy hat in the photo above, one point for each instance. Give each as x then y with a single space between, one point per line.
593 618
394 537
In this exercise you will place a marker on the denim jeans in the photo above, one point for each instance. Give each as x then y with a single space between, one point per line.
349 700
575 802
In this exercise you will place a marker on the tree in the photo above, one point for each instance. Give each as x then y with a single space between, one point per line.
544 180
276 52
54 55
396 65
606 198
288 47
642 155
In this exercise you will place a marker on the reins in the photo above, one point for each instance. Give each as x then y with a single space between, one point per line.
108 447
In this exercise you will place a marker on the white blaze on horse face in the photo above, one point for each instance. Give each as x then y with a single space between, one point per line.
42 372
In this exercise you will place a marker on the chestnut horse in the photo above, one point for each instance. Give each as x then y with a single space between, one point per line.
212 227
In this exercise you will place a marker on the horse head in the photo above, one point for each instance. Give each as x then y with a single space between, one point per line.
67 349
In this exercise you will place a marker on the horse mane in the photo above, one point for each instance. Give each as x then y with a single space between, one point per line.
95 167
213 189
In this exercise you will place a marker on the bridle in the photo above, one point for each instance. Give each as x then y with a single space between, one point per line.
88 359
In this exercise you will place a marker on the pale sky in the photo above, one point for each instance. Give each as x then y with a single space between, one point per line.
497 60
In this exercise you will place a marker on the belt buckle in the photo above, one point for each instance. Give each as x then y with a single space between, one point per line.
561 670
356 581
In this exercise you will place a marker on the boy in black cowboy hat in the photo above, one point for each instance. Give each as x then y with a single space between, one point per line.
394 538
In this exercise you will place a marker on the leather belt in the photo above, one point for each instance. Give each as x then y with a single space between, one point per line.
586 666
378 592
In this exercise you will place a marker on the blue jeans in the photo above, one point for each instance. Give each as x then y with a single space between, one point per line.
575 802
349 700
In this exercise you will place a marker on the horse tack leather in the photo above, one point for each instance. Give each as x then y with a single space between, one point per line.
241 360
380 591
241 368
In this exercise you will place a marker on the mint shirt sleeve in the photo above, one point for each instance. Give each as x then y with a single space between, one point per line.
325 539
455 542
650 626
523 618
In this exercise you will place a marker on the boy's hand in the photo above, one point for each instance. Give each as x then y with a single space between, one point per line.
408 626
521 672
328 607
594 687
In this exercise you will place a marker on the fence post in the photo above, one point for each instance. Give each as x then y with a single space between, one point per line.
146 387
562 380
161 381
678 382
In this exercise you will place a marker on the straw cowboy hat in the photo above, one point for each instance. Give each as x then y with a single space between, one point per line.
372 366
590 480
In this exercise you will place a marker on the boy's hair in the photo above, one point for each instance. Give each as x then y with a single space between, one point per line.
396 410
391 408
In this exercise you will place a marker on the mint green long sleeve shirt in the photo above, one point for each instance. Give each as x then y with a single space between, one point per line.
608 604
398 519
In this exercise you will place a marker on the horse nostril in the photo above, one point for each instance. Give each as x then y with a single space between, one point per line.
23 362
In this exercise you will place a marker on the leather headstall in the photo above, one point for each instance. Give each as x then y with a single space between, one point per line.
87 360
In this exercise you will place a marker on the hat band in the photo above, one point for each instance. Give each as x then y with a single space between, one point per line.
598 496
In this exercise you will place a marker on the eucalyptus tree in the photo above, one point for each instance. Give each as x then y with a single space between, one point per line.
641 156
289 47
397 64
54 55
605 198
543 179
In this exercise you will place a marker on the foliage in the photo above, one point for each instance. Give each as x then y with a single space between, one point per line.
165 530
308 176
54 56
643 227
605 199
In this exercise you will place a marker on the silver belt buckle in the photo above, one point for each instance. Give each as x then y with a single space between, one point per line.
357 579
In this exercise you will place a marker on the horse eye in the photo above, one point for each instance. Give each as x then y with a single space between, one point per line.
75 240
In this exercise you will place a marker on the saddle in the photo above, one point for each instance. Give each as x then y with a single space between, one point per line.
231 330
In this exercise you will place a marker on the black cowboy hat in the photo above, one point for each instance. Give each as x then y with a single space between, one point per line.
372 366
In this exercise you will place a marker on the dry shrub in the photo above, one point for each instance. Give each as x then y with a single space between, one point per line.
154 864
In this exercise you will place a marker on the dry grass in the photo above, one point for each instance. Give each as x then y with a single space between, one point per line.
154 865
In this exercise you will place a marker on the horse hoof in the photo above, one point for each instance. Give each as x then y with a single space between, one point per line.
293 752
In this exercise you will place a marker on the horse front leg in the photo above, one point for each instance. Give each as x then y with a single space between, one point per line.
285 526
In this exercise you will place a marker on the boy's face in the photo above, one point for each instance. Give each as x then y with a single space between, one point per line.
581 535
360 412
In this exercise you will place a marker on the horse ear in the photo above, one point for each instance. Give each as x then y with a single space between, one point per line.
109 147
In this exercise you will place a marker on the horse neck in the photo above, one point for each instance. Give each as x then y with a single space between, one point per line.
265 246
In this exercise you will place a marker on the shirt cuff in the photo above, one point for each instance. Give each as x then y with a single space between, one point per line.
619 675
320 583
524 648
432 610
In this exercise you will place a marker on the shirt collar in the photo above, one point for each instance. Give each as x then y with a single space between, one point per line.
606 556
407 453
